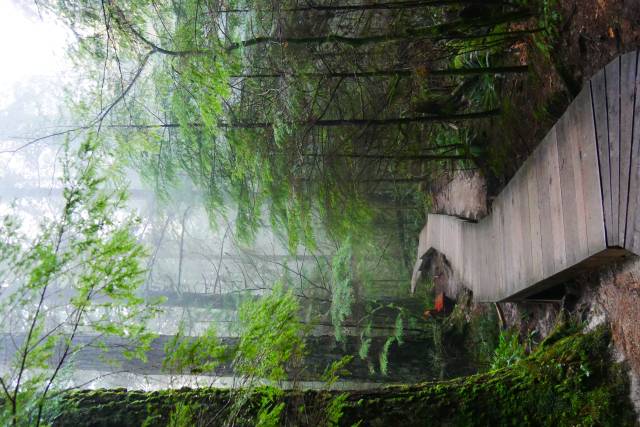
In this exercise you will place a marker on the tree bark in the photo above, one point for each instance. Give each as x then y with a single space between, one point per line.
392 73
397 5
392 157
329 122
441 32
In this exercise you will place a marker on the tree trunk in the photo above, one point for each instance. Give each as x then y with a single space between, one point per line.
393 72
396 5
330 122
441 32
409 157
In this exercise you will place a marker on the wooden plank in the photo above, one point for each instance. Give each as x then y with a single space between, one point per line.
596 261
460 245
633 230
511 241
483 240
441 235
464 247
514 238
506 239
599 99
628 65
473 280
591 190
496 240
534 216
520 201
493 265
432 241
576 154
566 144
505 245
612 77
473 273
483 257
471 236
494 273
480 252
467 251
525 229
447 230
491 250
490 278
546 231
455 238
556 217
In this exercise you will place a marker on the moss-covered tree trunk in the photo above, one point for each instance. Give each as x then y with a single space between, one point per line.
570 381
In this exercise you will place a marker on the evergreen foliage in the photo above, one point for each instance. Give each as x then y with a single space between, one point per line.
293 115
193 356
271 336
77 274
509 350
342 287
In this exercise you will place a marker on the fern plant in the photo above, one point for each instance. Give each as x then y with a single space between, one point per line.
509 350
341 290
77 279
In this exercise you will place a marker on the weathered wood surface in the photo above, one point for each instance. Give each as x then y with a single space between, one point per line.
574 204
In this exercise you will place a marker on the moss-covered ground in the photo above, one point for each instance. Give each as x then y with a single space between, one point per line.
569 380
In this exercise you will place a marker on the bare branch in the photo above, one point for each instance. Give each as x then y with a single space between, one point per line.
124 93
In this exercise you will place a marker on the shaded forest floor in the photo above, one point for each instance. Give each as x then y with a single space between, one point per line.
587 35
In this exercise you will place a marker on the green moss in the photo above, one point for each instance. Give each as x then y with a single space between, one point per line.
570 380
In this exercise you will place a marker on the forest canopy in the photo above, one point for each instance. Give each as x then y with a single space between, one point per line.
304 114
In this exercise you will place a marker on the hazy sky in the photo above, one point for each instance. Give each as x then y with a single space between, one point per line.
30 45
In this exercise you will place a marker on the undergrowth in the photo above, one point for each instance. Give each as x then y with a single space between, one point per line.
568 380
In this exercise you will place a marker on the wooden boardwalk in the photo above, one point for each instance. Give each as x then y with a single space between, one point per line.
573 205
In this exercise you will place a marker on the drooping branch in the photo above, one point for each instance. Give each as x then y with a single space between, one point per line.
125 25
326 122
392 156
125 91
